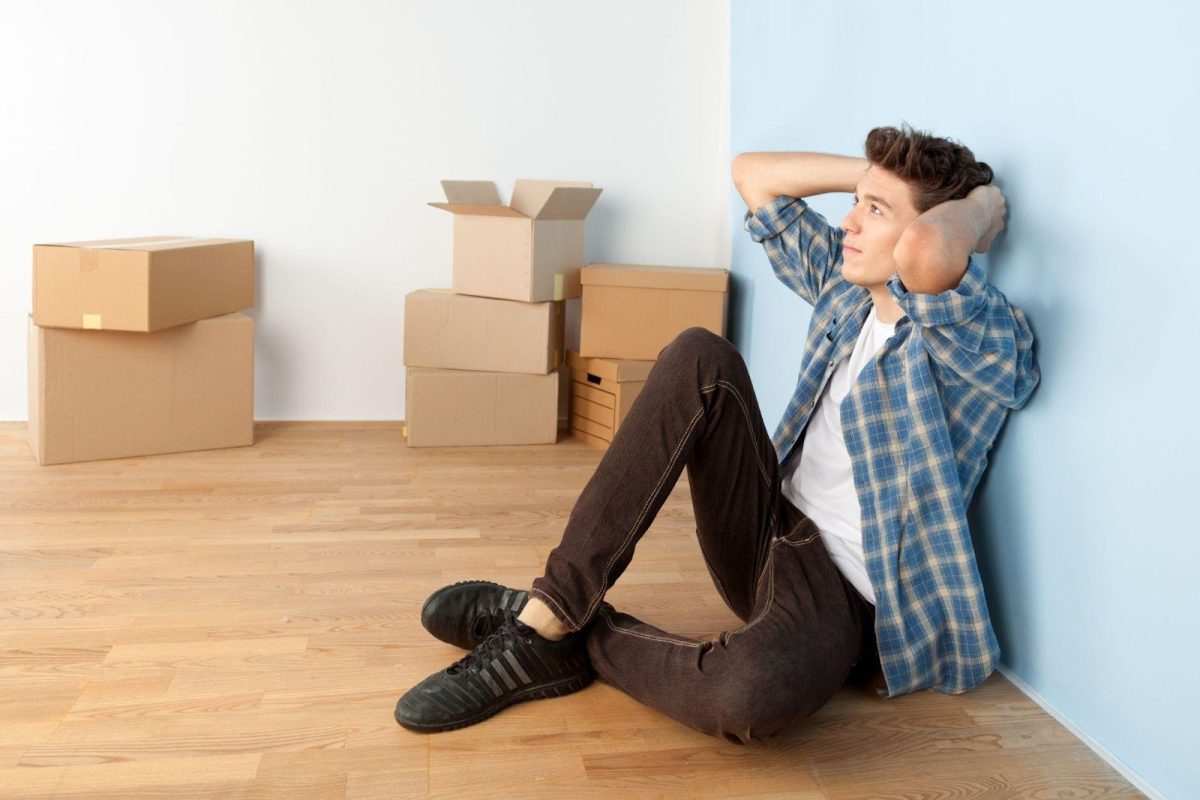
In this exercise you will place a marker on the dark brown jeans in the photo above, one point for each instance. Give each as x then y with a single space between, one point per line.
807 630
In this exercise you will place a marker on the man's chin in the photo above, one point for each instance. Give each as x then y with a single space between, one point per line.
862 277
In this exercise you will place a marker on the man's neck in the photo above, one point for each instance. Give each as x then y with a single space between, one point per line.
887 310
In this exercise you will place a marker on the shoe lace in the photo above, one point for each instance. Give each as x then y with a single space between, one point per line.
490 648
486 624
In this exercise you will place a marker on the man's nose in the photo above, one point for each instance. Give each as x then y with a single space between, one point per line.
848 223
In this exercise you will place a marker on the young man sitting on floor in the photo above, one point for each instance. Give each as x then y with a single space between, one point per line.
841 542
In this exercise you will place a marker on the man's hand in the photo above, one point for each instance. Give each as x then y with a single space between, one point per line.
992 200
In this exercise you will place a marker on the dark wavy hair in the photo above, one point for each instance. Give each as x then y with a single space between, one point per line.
937 169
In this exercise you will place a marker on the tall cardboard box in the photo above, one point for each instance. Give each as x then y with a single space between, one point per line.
460 331
633 312
114 394
602 392
143 284
531 250
450 407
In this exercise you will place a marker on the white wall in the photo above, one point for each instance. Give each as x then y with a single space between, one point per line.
320 130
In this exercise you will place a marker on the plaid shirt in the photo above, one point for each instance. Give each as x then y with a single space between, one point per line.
918 423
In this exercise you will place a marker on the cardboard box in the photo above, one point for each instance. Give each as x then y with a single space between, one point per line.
531 250
113 394
633 312
143 284
460 331
602 392
451 407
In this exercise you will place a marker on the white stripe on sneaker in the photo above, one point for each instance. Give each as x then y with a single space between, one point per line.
512 660
499 669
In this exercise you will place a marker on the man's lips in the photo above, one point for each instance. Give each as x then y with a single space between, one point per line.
851 249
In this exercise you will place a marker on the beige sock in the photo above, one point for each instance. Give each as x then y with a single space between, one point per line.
538 616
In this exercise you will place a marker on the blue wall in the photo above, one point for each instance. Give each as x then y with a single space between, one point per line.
1084 527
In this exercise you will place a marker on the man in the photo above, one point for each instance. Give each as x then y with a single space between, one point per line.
843 543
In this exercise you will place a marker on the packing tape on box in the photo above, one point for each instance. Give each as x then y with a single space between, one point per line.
89 260
558 282
137 244
91 322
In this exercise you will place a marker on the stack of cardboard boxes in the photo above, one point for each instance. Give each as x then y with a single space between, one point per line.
135 347
482 360
629 314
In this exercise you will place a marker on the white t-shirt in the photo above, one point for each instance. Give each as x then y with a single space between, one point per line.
820 480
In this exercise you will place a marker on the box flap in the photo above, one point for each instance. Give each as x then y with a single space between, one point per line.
471 193
554 199
649 277
569 203
475 198
613 369
478 211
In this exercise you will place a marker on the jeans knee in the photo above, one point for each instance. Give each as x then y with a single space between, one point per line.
745 713
698 344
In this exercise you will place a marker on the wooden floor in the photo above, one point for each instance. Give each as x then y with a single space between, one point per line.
239 624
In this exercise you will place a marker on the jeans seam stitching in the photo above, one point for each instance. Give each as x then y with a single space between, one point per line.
746 417
650 637
572 625
770 597
641 515
801 542
773 522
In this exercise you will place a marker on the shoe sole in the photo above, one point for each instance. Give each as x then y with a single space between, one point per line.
448 636
542 692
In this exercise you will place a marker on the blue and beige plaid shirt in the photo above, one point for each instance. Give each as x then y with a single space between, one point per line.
918 422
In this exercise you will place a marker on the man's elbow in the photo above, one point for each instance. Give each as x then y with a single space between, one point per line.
748 180
927 262
741 169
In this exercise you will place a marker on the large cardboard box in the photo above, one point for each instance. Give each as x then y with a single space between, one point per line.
450 407
602 392
530 250
633 312
144 284
113 394
460 331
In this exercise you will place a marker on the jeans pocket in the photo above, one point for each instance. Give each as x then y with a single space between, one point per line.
802 532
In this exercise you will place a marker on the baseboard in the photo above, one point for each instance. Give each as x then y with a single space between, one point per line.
1138 782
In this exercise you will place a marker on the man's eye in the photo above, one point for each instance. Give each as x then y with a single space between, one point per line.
875 208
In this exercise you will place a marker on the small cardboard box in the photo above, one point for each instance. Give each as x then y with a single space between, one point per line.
114 394
530 250
144 284
602 392
633 312
460 331
451 407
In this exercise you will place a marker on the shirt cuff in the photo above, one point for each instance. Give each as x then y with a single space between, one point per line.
955 305
773 218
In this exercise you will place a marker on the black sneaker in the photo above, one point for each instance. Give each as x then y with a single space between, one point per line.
512 665
466 613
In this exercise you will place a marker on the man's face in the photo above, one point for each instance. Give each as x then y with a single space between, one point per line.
882 210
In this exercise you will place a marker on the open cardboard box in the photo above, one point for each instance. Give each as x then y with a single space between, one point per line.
530 250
